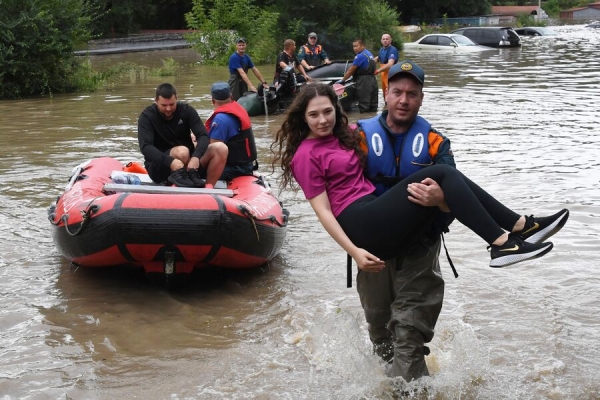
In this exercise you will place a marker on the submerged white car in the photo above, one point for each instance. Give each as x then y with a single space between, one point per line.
445 43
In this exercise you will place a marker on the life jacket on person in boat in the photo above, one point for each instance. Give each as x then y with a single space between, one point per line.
392 158
242 147
313 57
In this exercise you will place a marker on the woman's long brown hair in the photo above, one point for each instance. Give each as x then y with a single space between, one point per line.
295 129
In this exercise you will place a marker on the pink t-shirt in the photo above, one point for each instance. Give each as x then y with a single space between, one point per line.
321 164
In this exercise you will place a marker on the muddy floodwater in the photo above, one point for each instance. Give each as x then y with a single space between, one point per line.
524 123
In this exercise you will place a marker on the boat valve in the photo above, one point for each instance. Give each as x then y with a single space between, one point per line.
169 262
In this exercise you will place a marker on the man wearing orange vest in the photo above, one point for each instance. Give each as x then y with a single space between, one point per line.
312 55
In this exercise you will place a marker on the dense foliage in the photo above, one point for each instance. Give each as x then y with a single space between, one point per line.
123 17
37 38
554 7
219 22
430 10
338 24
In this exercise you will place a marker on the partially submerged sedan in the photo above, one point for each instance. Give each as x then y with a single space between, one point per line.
535 31
445 43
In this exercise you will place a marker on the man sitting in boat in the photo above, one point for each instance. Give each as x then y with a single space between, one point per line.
171 152
230 124
312 55
286 59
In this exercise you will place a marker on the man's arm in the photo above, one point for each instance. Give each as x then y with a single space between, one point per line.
197 128
325 57
303 72
440 150
259 76
146 134
385 67
302 59
428 193
246 79
304 64
349 72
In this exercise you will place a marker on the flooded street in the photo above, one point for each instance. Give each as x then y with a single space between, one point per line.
524 123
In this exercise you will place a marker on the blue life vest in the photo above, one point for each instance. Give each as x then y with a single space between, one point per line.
392 158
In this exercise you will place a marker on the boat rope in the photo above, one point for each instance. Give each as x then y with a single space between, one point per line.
85 217
245 211
271 218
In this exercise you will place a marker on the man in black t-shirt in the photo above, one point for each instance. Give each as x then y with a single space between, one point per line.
175 145
287 58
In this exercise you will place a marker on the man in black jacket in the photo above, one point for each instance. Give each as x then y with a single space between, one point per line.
175 145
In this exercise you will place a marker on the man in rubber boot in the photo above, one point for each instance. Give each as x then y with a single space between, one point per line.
239 64
387 57
402 302
362 72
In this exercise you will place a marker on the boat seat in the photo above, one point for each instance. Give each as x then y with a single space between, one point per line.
123 187
145 179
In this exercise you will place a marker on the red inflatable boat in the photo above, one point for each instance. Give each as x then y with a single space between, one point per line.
167 229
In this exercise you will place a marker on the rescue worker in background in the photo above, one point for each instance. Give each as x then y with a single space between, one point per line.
287 58
388 56
312 55
239 65
362 72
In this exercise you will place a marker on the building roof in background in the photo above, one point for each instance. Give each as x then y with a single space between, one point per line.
515 10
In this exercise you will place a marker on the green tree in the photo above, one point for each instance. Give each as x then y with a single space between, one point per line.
554 7
124 17
219 22
430 10
37 38
338 25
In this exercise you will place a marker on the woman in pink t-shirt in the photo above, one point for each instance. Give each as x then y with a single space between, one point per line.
316 147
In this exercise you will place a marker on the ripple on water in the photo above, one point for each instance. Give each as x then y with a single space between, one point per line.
522 123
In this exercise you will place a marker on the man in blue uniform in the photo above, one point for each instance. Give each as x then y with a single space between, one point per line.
402 303
230 124
362 71
287 60
239 65
388 56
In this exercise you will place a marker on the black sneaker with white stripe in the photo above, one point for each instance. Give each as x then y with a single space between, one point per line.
537 230
515 250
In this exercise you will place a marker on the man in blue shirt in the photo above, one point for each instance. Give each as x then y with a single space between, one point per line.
388 56
230 124
239 64
362 71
